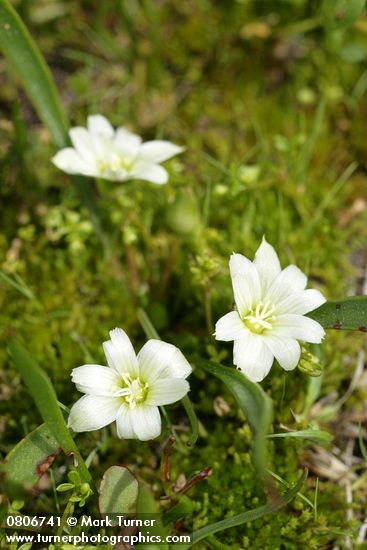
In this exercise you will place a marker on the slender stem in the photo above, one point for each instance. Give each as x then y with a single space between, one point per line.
69 509
147 325
208 310
192 419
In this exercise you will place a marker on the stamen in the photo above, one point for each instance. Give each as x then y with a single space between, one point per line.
134 392
261 319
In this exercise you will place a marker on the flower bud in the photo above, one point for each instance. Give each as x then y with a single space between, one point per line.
183 216
309 364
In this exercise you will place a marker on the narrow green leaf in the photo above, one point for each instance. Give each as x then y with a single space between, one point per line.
252 399
44 396
118 491
287 485
148 508
250 515
29 460
314 435
147 325
346 314
20 49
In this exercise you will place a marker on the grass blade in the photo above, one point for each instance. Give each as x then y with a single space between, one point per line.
23 54
347 314
44 396
315 435
255 403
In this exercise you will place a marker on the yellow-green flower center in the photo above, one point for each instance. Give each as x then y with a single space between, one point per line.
260 318
134 390
115 163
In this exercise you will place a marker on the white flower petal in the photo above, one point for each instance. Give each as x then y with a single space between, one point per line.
243 270
93 412
230 327
124 424
301 302
165 391
120 353
95 379
83 143
285 350
99 125
127 143
163 360
246 292
158 151
252 357
70 162
150 172
238 263
299 327
291 279
145 421
267 264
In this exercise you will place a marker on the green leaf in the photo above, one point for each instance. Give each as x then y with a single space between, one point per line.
118 491
252 399
29 460
250 515
341 14
314 435
148 508
347 314
20 49
183 508
44 396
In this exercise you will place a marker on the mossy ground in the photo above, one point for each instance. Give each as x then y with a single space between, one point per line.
269 101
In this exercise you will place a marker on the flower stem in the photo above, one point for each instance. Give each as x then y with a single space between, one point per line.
192 419
147 325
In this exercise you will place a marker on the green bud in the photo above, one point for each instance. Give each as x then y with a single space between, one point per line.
17 504
84 488
64 487
183 216
249 174
309 364
306 96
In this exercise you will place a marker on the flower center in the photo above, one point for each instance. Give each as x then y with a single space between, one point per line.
134 391
261 318
114 163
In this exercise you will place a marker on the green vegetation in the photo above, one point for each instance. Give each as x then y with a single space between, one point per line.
269 100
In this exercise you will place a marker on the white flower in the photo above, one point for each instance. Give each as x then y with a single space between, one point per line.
117 155
270 313
130 389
